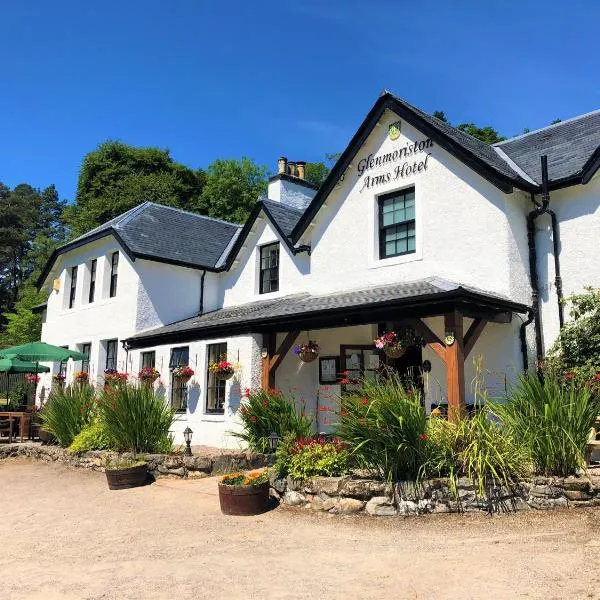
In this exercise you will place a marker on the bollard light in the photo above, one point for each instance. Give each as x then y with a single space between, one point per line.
187 436
274 440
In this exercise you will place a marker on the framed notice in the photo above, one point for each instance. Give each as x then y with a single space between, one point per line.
329 369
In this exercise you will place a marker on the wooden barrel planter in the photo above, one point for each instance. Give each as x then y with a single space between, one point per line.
129 477
244 500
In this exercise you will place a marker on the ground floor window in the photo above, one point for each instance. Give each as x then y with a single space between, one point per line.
85 363
180 357
111 355
357 362
215 388
148 360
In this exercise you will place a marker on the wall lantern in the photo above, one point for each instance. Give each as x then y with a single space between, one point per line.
187 436
274 441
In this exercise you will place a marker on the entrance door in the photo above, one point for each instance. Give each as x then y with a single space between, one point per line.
410 365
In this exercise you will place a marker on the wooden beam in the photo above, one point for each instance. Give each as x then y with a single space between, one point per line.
455 365
439 349
425 331
279 355
472 335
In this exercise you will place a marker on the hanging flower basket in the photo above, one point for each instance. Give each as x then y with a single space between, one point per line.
221 369
394 345
307 352
183 374
32 378
81 377
58 379
148 375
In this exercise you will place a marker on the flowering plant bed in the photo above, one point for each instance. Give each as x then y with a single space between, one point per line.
244 493
183 373
148 375
112 376
395 344
307 352
58 378
81 377
221 369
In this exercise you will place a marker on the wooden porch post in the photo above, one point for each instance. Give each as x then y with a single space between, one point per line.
273 357
455 364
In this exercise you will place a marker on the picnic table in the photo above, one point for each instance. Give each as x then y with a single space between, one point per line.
14 416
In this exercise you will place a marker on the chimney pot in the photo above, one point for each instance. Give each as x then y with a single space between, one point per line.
301 165
282 165
291 168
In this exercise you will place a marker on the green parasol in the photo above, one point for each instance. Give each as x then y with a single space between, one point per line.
41 352
14 365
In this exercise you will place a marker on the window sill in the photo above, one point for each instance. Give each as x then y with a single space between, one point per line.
378 263
213 417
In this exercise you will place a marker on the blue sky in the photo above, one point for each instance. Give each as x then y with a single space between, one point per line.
229 79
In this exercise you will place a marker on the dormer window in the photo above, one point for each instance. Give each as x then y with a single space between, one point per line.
269 268
397 223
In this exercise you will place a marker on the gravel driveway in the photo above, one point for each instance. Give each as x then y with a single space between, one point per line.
64 535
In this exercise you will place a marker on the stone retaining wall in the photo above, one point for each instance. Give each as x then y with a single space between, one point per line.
174 465
347 495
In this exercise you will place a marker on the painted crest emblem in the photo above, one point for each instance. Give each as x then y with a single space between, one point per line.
394 130
449 339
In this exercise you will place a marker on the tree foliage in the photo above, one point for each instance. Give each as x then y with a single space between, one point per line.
578 345
486 134
316 172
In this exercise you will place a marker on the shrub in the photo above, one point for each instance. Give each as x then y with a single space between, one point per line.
476 448
552 418
137 418
93 436
310 457
384 425
67 411
268 411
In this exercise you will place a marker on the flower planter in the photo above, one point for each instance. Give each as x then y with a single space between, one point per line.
149 380
308 355
394 352
244 500
182 379
224 375
129 477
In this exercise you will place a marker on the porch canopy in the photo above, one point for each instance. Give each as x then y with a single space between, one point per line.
408 301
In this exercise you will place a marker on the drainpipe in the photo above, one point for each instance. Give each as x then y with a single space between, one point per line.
202 292
536 212
523 337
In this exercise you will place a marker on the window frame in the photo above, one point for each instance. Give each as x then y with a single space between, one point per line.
143 363
73 287
361 348
407 223
261 269
108 344
178 397
85 363
114 274
62 365
215 351
92 288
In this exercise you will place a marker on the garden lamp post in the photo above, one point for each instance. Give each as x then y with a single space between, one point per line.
187 436
274 440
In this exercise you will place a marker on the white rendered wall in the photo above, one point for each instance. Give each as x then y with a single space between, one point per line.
578 211
288 192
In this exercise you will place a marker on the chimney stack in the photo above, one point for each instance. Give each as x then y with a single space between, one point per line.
282 165
301 165
292 168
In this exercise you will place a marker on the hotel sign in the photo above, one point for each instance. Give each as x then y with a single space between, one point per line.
409 159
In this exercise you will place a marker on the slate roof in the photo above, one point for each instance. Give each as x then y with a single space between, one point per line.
265 312
285 216
569 145
164 234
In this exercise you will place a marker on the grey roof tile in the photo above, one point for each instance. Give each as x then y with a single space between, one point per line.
568 145
284 215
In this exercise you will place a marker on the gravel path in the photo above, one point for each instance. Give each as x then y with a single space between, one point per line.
64 535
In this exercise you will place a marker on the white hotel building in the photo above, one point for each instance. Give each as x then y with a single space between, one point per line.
418 224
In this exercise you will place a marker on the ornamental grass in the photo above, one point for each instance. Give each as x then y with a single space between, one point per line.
384 425
68 410
552 417
137 418
264 412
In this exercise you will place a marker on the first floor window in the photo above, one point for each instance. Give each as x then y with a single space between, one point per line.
180 357
73 287
92 290
111 355
114 274
85 363
148 360
215 388
397 224
269 268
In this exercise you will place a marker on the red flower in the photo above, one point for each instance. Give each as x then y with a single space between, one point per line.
265 403
343 413
423 436
244 410
597 377
252 418
344 381
569 375
364 401
246 393
362 420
